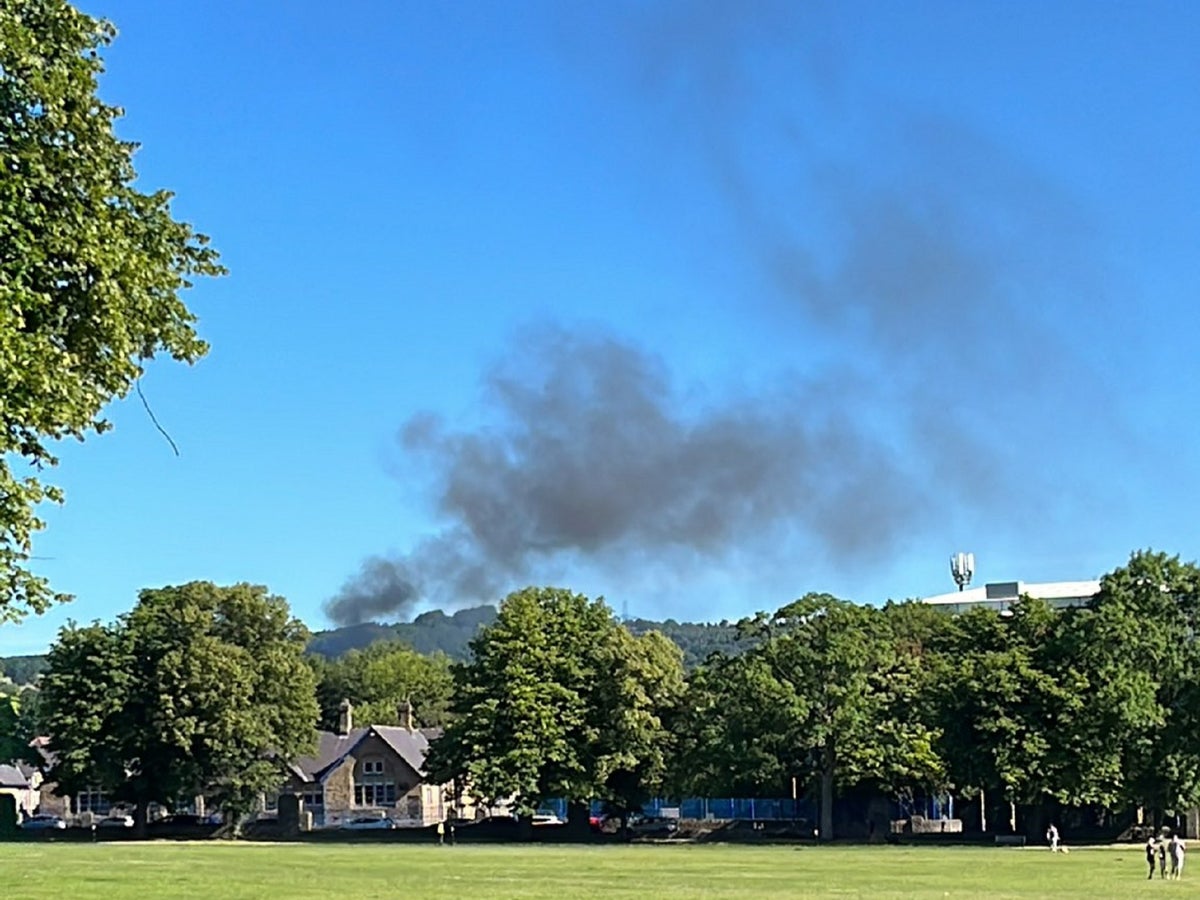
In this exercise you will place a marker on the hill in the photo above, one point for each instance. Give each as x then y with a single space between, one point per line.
435 630
22 669
427 633
451 633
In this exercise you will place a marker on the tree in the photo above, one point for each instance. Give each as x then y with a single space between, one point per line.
635 708
822 695
18 714
1010 701
379 679
1137 644
90 268
200 689
559 700
87 697
736 734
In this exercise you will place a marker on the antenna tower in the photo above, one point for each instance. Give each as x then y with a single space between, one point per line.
962 567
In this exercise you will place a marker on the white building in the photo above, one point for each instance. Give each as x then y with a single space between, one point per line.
1000 595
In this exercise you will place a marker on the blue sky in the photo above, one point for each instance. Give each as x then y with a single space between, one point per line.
698 306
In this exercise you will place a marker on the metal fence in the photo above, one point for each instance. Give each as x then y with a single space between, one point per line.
750 808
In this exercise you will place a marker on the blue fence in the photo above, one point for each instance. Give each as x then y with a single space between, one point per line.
763 809
755 809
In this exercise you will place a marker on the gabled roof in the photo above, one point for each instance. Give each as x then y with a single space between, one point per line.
410 746
13 777
332 749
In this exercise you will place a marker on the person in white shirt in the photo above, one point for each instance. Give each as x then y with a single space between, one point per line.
1177 850
1052 837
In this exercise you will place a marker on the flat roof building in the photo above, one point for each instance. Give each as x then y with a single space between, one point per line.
1000 595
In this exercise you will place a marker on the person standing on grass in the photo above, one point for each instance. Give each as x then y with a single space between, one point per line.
1162 856
1151 853
441 833
1178 851
1052 837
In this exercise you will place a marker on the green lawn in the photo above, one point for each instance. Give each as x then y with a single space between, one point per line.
42 871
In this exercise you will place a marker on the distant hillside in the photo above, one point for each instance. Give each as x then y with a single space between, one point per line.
22 669
696 639
427 633
450 633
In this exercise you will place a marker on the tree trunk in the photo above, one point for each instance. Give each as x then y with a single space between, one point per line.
578 821
140 811
827 770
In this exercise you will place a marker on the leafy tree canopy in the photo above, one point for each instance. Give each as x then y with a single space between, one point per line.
379 679
90 268
825 694
559 700
200 689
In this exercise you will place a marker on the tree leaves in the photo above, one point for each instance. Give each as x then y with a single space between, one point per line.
560 700
90 268
200 689
381 677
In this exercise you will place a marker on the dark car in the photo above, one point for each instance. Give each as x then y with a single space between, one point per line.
44 823
648 826
115 822
179 820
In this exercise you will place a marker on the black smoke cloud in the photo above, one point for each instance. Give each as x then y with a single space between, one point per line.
931 271
599 456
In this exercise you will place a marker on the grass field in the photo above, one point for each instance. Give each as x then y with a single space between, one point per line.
43 871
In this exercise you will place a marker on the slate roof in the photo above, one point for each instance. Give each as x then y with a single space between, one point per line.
13 777
410 746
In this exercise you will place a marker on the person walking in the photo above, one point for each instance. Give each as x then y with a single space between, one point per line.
441 833
1151 855
1178 851
1052 837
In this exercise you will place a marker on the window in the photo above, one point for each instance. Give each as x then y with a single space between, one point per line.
380 793
374 787
92 800
314 799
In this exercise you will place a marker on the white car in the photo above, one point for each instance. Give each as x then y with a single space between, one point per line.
368 823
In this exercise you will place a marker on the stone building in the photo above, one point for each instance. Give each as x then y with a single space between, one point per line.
373 771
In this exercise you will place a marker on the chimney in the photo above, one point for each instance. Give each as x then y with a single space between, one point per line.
406 714
345 717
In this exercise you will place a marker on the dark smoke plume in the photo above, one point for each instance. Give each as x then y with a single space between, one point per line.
381 588
597 455
930 274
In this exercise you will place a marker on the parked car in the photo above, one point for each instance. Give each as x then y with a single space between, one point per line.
369 823
609 824
44 822
649 826
179 820
115 822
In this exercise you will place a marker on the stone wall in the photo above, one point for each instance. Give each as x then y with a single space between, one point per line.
339 793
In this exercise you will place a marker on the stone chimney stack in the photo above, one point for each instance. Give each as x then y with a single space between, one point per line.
406 714
345 717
